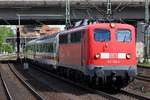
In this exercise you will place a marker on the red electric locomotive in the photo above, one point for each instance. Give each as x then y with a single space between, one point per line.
102 53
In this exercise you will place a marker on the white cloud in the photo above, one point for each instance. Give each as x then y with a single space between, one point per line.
60 26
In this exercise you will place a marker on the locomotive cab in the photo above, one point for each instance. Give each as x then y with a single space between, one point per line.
112 55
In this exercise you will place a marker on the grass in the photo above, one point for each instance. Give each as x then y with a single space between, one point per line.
147 94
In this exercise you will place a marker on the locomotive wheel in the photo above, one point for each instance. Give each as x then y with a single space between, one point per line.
68 73
87 80
71 75
65 72
75 76
81 78
93 82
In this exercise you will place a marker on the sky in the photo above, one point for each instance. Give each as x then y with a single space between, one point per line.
13 27
60 26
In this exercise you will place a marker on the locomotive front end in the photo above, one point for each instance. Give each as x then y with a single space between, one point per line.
112 54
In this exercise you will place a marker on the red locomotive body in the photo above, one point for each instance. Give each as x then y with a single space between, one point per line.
105 50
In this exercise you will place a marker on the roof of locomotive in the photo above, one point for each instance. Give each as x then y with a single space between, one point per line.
92 25
53 36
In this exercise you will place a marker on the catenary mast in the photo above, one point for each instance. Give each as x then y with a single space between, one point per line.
147 34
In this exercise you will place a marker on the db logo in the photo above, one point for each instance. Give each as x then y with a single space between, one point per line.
113 55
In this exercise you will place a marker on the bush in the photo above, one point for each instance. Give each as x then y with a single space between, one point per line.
5 32
6 48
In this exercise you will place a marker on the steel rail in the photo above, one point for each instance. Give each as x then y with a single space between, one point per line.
144 67
143 78
9 97
36 94
140 97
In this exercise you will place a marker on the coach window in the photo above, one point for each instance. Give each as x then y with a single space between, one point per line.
50 48
75 37
31 47
123 35
101 35
35 48
54 47
27 48
63 39
40 48
46 47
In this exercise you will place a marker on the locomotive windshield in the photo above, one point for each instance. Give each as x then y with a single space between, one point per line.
101 35
123 35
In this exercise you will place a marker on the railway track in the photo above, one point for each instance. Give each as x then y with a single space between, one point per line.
108 96
143 78
137 96
126 95
143 73
144 67
27 87
122 95
5 89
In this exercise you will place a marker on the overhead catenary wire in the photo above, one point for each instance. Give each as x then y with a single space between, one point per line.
107 14
38 21
89 15
101 12
5 21
116 9
123 7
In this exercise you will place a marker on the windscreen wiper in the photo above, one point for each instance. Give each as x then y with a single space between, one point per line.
124 38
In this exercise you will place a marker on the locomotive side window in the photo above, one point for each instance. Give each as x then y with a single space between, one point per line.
123 35
75 37
101 35
63 39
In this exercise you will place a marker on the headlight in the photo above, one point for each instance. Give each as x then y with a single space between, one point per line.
128 56
97 56
112 25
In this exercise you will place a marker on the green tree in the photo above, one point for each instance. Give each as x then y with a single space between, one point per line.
5 32
7 48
